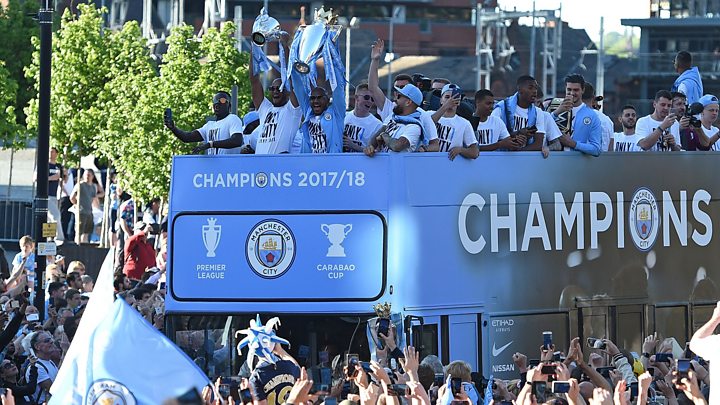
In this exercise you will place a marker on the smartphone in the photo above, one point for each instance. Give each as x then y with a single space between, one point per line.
224 390
325 376
399 390
605 371
689 354
439 379
366 367
456 91
683 366
158 310
547 339
560 387
533 362
162 285
651 371
168 114
330 401
246 396
663 357
538 389
383 326
595 343
633 390
14 304
455 386
32 317
351 360
548 369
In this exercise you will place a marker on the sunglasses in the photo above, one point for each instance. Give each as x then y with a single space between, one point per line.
367 97
274 88
220 100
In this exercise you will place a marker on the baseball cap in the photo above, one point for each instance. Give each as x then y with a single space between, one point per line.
411 92
250 117
139 226
708 99
449 87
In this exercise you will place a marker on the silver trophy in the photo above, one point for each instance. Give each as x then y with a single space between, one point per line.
265 28
311 42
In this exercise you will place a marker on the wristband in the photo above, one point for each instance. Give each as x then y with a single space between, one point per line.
211 144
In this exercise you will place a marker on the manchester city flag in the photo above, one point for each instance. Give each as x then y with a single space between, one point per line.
118 357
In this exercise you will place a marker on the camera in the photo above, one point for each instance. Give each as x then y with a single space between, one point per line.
32 317
399 390
683 366
548 369
422 82
560 387
351 360
595 343
547 335
538 389
691 111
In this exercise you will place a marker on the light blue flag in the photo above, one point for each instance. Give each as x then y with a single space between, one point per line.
117 355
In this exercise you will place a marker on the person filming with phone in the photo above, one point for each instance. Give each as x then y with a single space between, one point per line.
23 393
42 346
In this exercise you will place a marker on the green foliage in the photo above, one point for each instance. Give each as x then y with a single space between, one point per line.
80 67
622 45
16 30
8 127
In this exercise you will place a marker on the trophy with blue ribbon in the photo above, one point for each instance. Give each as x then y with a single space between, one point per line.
318 40
266 29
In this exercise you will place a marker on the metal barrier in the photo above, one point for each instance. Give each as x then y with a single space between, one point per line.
16 220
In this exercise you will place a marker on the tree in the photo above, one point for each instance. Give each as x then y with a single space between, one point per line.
8 127
17 27
80 67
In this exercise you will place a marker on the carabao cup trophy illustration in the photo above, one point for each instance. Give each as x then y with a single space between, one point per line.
318 40
211 236
336 234
266 29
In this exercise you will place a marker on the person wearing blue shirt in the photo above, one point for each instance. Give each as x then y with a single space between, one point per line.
587 133
689 82
26 257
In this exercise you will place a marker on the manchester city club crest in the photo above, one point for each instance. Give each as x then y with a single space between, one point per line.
109 392
270 249
587 120
644 219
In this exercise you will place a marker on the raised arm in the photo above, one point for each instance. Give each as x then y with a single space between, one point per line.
191 136
376 51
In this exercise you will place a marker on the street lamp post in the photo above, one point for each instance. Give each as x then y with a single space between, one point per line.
354 23
391 54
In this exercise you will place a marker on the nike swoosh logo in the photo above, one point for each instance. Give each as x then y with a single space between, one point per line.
496 352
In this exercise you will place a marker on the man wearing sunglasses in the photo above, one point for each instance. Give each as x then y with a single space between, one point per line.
385 107
360 125
279 117
219 137
403 131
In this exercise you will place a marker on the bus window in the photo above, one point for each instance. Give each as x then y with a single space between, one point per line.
427 338
672 321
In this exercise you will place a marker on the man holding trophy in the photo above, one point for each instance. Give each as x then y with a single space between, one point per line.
280 116
322 128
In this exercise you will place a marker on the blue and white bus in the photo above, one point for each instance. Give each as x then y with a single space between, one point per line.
476 257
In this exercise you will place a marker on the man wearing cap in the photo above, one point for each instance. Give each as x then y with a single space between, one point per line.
403 131
520 115
689 82
708 134
279 117
218 137
385 107
251 131
454 132
139 254
360 125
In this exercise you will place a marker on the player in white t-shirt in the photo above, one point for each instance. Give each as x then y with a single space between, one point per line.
708 134
360 125
490 131
707 346
279 117
660 130
521 116
626 141
222 136
403 131
385 107
454 132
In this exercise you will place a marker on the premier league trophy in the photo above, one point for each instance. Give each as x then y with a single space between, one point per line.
266 29
211 236
318 40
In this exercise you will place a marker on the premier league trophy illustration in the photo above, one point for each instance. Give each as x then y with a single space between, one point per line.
318 40
336 234
211 236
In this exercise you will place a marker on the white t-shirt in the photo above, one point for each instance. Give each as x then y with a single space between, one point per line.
710 132
646 125
552 132
454 132
47 370
360 129
626 143
429 130
318 138
709 349
607 130
220 131
520 119
411 132
491 131
280 124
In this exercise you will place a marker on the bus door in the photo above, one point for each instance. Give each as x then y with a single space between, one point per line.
424 334
464 339
624 321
